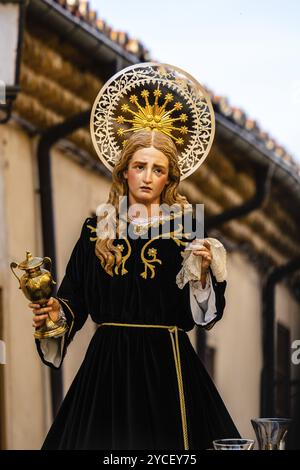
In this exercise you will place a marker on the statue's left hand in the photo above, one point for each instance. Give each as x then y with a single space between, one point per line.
206 254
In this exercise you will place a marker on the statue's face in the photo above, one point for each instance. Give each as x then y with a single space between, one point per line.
148 168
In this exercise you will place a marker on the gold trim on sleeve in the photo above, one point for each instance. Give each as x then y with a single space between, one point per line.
71 311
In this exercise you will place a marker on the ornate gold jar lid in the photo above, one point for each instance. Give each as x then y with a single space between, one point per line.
30 262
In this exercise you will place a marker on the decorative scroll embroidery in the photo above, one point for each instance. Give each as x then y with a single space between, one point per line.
93 230
149 264
124 258
151 259
121 247
152 252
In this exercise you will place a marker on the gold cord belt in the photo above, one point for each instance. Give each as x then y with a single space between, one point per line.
175 346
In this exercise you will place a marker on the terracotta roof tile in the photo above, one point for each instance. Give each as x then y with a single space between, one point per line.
81 9
238 116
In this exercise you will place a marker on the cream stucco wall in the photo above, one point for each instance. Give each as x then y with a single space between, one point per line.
237 339
25 405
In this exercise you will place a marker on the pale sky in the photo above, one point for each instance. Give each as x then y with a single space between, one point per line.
246 51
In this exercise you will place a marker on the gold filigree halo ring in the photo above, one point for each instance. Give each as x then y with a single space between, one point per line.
153 96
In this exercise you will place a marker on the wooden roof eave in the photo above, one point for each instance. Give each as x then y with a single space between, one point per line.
81 34
286 174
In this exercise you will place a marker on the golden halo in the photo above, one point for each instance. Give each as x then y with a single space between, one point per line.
153 96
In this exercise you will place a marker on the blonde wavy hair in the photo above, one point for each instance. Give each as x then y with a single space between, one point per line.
109 254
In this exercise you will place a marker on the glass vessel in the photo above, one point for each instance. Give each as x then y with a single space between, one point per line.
233 444
271 432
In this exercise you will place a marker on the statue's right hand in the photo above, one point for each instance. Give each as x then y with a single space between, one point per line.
40 314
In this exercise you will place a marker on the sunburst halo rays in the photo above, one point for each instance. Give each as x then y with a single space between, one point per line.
153 116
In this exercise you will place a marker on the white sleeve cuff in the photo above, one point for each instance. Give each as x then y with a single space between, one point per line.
52 349
191 264
203 301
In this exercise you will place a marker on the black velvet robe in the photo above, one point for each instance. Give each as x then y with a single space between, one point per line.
125 394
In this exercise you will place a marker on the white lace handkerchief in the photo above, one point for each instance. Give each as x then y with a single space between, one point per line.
191 264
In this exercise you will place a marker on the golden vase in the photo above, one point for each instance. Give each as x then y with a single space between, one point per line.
37 286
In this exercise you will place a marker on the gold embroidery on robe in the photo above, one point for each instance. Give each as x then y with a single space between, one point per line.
124 258
93 230
151 259
152 252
